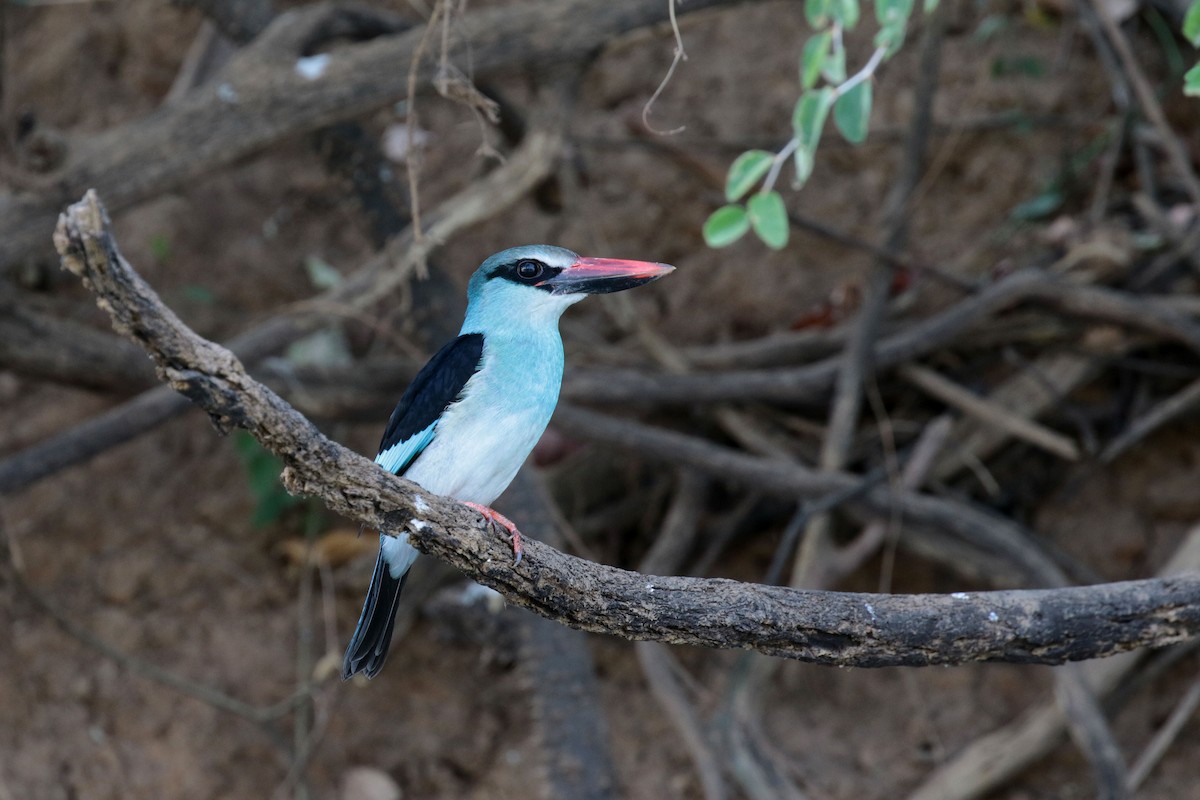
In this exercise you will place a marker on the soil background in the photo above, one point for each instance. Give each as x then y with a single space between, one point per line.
152 549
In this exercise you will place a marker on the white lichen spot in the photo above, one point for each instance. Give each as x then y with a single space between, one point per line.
312 67
477 593
870 610
419 525
649 587
398 144
993 617
227 94
961 596
420 505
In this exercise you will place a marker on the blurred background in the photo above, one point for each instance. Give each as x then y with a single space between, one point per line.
173 622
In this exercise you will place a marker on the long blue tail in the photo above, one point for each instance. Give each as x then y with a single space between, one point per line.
368 646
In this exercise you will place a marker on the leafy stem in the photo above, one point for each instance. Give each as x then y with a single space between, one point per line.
824 88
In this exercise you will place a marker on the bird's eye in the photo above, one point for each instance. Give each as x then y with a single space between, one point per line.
529 270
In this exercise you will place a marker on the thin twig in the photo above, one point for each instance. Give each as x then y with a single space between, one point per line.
681 154
1091 732
412 161
813 382
372 281
676 537
1149 103
302 719
856 367
1034 390
678 56
829 627
1165 737
1175 406
1185 242
851 556
658 666
261 100
988 412
867 494
997 756
564 691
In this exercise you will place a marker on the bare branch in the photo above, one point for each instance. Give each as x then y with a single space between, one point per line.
42 345
1090 730
813 382
262 98
1171 142
372 281
1043 626
1009 545
564 694
988 412
996 757
1165 736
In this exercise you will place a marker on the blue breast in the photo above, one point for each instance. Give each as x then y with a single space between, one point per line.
482 440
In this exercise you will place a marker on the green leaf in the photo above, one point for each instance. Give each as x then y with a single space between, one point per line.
322 348
200 295
321 273
892 16
769 219
845 12
1039 207
990 26
889 12
1021 66
1168 42
745 171
816 50
835 66
262 476
890 37
160 248
852 112
725 226
1191 82
1191 24
808 119
817 12
804 160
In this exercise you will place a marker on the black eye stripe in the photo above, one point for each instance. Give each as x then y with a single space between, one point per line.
526 271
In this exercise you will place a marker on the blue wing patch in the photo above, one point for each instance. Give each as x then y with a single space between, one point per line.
438 384
397 457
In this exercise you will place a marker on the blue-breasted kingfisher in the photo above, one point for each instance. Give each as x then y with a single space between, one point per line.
467 422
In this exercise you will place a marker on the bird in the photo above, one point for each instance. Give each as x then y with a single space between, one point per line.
469 419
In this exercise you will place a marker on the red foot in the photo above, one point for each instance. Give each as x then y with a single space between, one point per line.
496 518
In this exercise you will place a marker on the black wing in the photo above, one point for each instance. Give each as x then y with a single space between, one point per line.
437 385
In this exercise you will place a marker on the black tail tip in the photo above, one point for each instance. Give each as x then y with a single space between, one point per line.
368 664
368 647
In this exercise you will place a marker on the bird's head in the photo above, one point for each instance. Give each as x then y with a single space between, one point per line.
540 281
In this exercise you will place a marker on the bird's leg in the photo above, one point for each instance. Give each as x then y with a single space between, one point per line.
496 518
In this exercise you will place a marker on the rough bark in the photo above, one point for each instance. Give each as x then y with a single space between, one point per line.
851 629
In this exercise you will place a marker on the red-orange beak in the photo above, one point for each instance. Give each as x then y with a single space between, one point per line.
603 275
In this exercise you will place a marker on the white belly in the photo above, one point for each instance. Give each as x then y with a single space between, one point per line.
483 439
473 457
